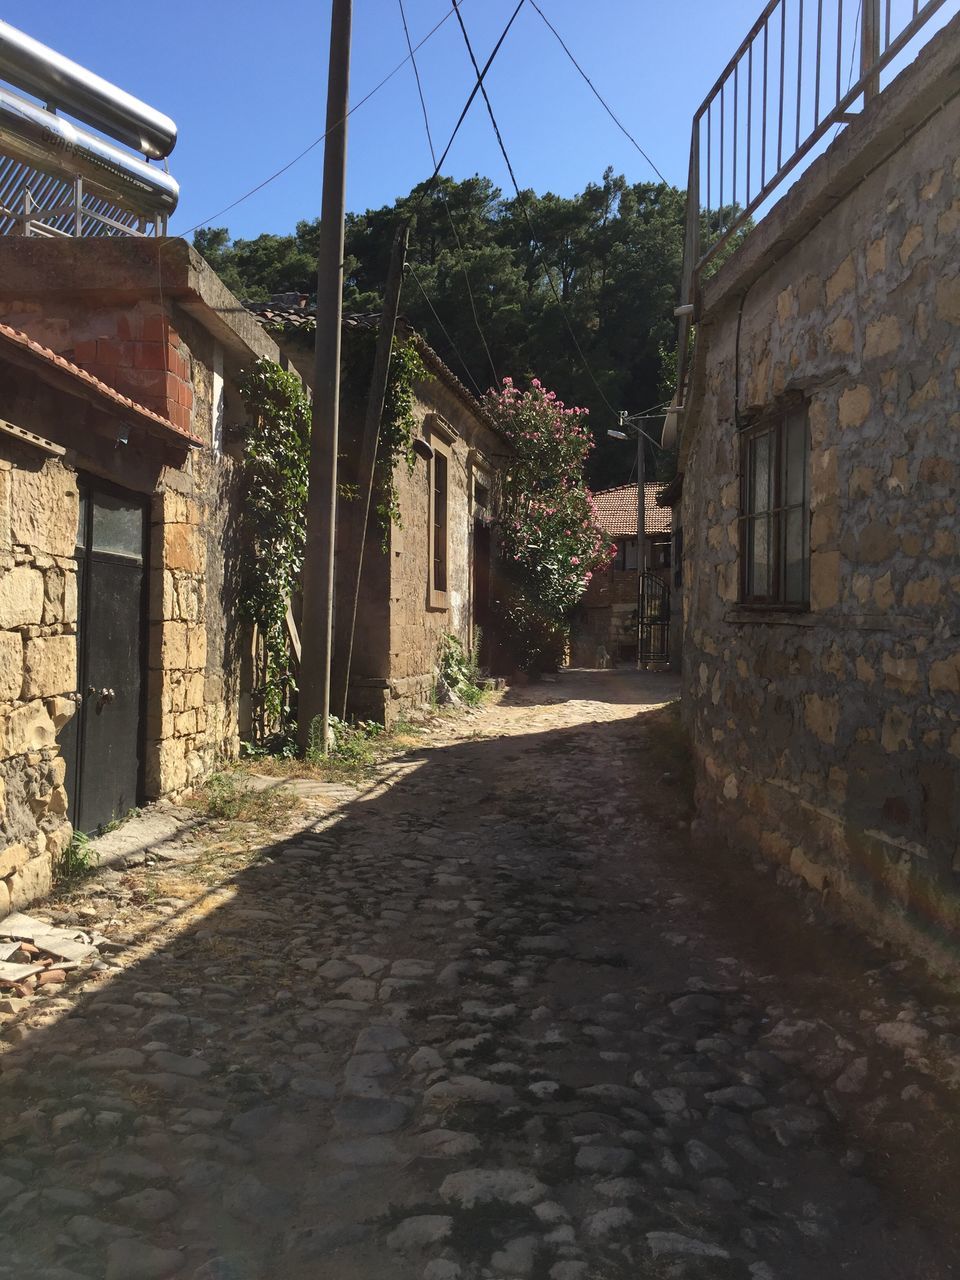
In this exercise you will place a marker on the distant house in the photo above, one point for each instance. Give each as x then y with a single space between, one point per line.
428 574
606 618
820 446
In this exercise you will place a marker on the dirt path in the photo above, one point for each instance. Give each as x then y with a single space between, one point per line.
483 1018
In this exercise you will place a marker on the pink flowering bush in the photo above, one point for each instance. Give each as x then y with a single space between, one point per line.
550 540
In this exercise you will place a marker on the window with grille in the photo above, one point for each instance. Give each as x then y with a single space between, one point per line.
774 511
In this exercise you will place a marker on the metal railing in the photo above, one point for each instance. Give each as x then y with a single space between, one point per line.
33 203
788 84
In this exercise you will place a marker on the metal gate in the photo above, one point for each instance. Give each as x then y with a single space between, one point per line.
102 742
654 619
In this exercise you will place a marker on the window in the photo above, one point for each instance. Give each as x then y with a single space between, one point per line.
439 483
774 519
660 555
626 558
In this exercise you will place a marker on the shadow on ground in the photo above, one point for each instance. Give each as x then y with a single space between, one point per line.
490 959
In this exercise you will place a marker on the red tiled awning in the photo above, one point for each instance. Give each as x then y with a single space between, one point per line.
21 346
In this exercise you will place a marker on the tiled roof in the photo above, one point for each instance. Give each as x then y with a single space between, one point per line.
21 342
617 510
295 311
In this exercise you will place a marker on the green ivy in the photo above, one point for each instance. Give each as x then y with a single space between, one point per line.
398 426
398 423
275 454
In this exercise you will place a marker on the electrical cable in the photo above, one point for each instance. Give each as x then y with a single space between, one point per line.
443 196
316 142
477 88
443 330
596 93
853 51
523 207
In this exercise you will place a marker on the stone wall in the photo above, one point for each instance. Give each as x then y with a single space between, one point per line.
829 740
413 627
192 684
38 615
180 354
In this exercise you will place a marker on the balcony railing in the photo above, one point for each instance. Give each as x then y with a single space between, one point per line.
801 70
789 83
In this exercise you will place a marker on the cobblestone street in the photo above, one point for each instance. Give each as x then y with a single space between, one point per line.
483 1017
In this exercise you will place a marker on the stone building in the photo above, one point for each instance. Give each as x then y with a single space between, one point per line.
606 617
431 573
120 654
820 446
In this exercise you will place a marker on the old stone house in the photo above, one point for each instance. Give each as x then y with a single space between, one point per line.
606 617
120 649
430 573
820 445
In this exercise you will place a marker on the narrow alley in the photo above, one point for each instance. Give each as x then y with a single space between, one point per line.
489 1016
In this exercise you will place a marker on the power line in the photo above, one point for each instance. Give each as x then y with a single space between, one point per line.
596 93
443 196
523 207
477 88
316 142
442 327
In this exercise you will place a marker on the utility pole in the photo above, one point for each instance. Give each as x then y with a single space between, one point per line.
641 538
355 524
318 560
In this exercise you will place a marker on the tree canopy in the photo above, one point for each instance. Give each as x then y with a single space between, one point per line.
484 279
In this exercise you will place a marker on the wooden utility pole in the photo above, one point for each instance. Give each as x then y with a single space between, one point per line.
641 543
318 560
355 524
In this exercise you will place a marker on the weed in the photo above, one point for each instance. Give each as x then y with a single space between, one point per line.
79 859
458 676
224 798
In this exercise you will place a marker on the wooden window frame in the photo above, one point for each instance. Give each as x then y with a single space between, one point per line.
438 596
776 425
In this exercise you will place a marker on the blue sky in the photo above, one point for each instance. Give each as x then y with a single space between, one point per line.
245 83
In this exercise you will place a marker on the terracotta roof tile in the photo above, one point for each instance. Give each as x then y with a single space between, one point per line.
294 311
23 342
617 510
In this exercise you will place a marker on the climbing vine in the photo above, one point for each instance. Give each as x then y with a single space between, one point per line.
275 454
398 424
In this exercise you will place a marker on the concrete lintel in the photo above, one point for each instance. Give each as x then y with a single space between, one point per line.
931 80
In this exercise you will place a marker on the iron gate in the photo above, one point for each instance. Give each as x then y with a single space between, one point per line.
654 612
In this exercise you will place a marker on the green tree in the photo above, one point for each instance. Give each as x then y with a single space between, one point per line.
480 262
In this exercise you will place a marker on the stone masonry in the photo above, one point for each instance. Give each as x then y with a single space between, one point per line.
399 623
38 616
179 354
829 740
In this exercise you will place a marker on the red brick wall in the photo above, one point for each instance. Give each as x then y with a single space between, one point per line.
144 358
132 347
